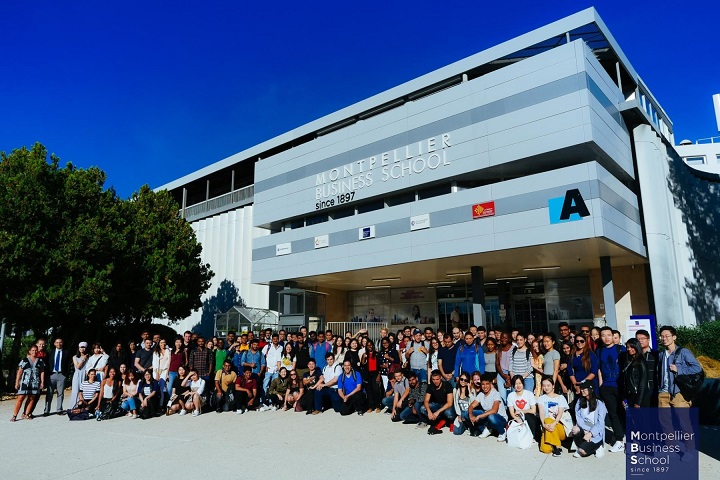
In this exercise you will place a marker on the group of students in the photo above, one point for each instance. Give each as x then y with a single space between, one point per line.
484 382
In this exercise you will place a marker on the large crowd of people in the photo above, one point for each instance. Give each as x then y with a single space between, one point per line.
568 391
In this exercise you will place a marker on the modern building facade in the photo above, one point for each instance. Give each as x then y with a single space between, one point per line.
525 185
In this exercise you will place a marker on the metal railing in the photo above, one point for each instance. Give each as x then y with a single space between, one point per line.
213 206
373 328
708 140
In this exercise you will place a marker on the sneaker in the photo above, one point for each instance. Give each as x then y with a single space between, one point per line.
576 454
408 422
134 417
474 433
600 452
556 452
361 413
501 438
196 413
273 408
264 408
485 433
309 412
618 447
421 425
434 431
182 412
240 411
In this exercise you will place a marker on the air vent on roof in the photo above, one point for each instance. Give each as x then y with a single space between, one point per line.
686 142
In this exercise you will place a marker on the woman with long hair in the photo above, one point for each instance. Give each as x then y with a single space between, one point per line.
29 382
353 354
370 365
521 362
117 357
131 353
98 361
432 358
295 390
595 337
589 430
161 369
177 393
462 398
538 358
149 395
109 391
339 350
178 358
193 396
129 394
278 388
635 375
583 366
389 356
79 361
288 359
89 397
551 406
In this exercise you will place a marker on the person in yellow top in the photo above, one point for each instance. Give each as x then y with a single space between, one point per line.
224 386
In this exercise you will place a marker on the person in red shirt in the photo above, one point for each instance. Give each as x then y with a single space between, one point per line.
245 391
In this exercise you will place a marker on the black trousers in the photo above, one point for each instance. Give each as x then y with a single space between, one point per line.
613 402
374 393
355 403
223 399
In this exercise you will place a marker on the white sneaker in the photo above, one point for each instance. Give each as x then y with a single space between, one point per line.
264 408
617 447
240 411
273 408
501 438
485 433
183 412
576 454
196 413
600 452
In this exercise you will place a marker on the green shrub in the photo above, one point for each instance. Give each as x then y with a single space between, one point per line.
703 339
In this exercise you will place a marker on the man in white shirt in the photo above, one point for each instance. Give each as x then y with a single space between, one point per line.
327 385
273 355
488 411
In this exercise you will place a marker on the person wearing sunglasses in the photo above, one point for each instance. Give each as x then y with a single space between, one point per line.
583 366
463 396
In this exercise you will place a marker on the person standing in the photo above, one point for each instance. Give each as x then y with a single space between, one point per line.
57 369
417 355
651 358
446 359
674 361
612 362
79 362
635 375
202 362
161 368
29 381
98 361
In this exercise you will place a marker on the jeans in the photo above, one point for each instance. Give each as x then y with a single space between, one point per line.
529 384
171 379
129 404
327 392
163 393
494 421
421 374
269 377
407 414
388 402
501 387
448 414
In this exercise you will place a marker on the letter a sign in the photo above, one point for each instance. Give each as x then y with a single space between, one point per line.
569 208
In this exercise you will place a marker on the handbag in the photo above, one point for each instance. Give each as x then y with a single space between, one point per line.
519 434
567 422
689 384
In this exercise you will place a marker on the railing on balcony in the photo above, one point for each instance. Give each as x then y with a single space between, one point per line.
223 203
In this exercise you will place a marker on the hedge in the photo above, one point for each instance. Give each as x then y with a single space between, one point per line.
703 339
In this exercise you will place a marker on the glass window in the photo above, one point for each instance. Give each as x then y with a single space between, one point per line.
320 218
371 206
696 160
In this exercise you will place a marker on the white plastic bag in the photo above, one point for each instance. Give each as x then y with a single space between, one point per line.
519 434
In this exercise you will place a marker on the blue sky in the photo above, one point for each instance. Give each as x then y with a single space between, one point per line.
150 91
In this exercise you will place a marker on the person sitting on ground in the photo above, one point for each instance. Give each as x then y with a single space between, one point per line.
278 389
89 397
416 397
310 381
245 391
129 393
463 397
521 401
487 412
350 391
294 393
110 391
177 394
327 385
149 395
589 431
551 406
225 387
193 397
437 408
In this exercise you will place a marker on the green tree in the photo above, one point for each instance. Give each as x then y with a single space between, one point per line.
75 258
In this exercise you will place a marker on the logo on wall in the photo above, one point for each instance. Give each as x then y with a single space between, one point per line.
569 208
420 222
322 241
283 249
482 210
366 232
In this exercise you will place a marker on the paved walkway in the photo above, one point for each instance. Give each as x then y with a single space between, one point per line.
257 443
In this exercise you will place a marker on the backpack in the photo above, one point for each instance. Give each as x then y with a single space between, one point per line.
527 354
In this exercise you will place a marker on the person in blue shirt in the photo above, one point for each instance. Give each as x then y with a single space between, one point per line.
320 350
469 357
612 361
583 365
254 359
350 391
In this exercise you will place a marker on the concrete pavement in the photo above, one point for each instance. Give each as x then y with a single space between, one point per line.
257 444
